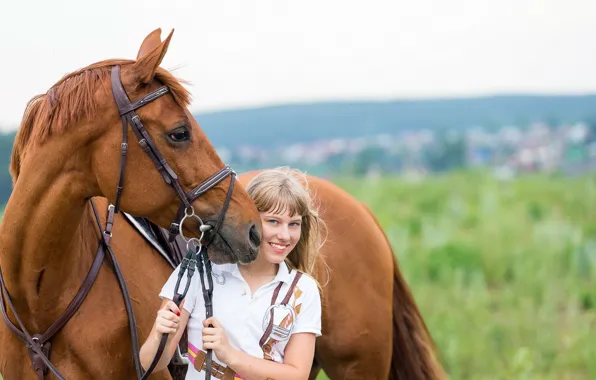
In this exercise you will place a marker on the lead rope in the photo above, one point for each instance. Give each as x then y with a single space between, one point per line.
205 267
196 257
188 265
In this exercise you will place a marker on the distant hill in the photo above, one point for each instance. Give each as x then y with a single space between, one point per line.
286 124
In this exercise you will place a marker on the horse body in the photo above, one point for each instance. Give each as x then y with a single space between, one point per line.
48 238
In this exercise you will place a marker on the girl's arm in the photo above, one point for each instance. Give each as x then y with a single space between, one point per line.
298 358
172 320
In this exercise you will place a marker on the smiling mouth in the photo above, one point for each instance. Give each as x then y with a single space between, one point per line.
278 248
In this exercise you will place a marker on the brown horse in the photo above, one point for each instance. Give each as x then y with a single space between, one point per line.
68 149
372 328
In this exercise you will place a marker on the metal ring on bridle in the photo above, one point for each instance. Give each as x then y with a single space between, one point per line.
191 215
197 243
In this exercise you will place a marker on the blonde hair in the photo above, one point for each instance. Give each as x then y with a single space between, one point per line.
285 189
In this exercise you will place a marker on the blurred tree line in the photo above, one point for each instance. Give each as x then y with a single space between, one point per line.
6 141
286 125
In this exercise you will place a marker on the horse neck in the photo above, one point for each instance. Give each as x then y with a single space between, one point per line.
46 232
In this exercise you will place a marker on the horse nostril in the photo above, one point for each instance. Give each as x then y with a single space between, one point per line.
254 237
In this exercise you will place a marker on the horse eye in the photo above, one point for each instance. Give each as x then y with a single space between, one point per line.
179 135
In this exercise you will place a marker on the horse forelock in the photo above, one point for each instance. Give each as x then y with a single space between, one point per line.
71 99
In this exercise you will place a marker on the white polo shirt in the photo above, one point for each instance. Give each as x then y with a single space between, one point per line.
245 316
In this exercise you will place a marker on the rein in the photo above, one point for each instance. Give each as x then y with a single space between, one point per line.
38 345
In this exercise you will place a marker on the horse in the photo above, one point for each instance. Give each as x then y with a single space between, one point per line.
372 327
72 146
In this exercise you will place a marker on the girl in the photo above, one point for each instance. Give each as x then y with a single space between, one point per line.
268 312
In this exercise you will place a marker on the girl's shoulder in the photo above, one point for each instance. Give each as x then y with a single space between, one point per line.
306 283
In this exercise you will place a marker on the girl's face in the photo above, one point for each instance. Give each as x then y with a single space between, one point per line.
280 235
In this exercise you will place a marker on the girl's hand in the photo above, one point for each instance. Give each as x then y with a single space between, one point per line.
215 338
168 319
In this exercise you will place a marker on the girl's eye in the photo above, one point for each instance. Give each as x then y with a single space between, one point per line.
179 135
272 221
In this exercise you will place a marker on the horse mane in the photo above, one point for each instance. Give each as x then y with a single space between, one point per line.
71 99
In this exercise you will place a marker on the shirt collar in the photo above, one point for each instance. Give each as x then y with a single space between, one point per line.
283 272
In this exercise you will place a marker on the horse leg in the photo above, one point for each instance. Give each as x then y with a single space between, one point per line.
381 342
369 358
357 310
357 329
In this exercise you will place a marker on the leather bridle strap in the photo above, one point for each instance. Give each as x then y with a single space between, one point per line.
129 116
132 324
223 212
68 312
207 289
200 190
31 343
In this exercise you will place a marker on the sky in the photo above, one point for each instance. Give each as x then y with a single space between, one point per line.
242 53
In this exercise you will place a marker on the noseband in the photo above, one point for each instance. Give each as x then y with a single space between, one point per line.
39 344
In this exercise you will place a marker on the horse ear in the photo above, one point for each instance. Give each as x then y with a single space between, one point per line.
150 42
150 55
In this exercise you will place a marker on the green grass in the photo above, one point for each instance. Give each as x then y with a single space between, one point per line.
504 273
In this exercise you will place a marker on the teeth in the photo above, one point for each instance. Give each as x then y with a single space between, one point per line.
277 246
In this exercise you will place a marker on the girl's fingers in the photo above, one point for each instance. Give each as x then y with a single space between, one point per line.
211 321
165 330
166 322
167 314
212 338
167 318
170 305
211 331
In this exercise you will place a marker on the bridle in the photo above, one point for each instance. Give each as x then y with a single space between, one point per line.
39 344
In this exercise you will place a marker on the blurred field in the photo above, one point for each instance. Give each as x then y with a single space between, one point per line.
504 273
